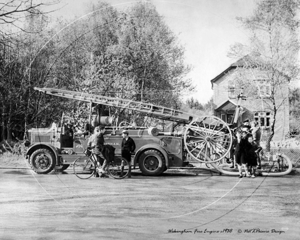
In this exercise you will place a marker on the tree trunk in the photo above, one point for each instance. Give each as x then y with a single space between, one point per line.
268 142
3 122
272 130
142 87
8 128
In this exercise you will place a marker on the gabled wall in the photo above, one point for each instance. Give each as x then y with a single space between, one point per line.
255 104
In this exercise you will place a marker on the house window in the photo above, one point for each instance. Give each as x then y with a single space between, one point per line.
264 88
231 91
263 119
229 118
223 117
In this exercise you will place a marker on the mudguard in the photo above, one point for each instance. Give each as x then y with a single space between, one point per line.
36 146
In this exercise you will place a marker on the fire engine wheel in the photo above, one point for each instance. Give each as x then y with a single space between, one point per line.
207 139
42 161
152 162
62 167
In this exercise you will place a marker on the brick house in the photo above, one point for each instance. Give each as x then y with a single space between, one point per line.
256 106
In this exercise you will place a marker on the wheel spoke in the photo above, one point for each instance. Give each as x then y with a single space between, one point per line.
84 169
214 128
119 168
199 141
196 137
196 147
42 161
205 152
211 138
200 133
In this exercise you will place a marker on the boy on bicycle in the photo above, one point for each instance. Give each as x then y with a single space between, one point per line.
105 153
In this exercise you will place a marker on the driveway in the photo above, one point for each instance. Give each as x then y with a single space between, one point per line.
172 206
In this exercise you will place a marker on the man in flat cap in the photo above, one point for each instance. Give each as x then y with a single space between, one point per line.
128 147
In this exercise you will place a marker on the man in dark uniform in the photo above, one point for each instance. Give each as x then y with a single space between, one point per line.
68 136
241 152
127 147
256 133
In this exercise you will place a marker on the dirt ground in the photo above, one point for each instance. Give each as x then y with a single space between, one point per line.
172 206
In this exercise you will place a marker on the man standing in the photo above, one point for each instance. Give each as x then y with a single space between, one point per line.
256 133
241 152
128 147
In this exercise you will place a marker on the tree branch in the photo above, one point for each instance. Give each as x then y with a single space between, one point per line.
16 10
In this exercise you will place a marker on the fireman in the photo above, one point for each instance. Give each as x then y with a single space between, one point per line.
128 147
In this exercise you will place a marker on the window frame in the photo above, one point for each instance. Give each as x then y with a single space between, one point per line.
231 91
223 117
263 87
263 118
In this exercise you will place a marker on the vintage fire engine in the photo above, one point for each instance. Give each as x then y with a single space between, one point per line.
205 139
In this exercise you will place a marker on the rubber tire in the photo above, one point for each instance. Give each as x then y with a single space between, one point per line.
111 173
156 154
84 176
50 156
165 169
62 167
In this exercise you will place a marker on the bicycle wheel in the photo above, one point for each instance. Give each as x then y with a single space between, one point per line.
118 168
84 168
276 163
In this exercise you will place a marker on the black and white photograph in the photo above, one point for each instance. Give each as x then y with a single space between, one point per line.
149 119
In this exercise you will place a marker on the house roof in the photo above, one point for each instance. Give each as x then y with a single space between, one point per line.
246 61
222 74
227 105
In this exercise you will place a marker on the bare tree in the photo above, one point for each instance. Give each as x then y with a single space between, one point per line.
273 52
13 12
20 67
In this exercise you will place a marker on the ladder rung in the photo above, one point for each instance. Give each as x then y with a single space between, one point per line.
146 108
